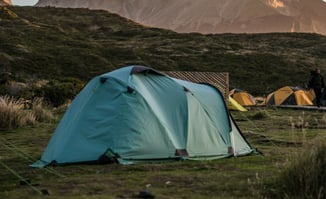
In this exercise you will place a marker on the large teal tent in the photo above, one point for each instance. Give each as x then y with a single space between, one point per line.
137 114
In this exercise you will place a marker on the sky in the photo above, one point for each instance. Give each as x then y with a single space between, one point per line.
33 2
24 2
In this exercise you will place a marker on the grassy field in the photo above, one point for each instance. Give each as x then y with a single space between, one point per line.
280 134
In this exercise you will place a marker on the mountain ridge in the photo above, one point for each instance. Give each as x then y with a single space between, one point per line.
207 16
5 2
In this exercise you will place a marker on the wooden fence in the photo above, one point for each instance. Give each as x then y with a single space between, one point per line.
218 79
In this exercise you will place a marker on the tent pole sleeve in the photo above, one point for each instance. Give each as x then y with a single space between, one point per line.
233 144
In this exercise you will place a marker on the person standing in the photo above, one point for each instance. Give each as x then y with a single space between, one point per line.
317 83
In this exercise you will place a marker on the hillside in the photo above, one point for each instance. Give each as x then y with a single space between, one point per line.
61 43
207 16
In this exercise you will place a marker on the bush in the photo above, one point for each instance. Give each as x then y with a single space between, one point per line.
262 114
305 177
58 93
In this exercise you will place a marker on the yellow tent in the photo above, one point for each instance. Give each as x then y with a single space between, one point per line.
288 95
234 105
242 97
310 94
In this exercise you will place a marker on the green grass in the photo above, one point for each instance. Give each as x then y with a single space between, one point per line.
241 177
305 175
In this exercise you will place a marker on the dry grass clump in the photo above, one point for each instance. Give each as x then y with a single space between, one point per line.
259 115
41 113
13 113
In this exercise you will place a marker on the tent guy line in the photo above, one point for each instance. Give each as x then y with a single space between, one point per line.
14 149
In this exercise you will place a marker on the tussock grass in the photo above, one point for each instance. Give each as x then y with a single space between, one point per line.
41 113
13 113
259 115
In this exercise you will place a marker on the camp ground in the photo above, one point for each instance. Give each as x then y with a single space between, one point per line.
137 114
285 97
160 170
289 96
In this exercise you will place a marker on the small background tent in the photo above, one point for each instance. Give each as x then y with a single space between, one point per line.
137 114
288 96
234 105
310 94
260 100
242 97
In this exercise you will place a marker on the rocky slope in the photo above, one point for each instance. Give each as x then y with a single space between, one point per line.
208 16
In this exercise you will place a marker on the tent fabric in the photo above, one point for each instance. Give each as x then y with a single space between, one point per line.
234 105
142 115
310 94
260 100
288 96
242 97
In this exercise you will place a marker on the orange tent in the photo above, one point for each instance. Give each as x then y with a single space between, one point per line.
242 97
289 95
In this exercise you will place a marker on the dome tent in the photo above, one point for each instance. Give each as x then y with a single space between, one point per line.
137 114
234 105
242 97
288 95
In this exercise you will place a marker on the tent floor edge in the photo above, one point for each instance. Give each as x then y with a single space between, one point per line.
109 157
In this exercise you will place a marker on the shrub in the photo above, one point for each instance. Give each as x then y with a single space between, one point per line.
262 114
27 118
306 175
16 88
57 93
